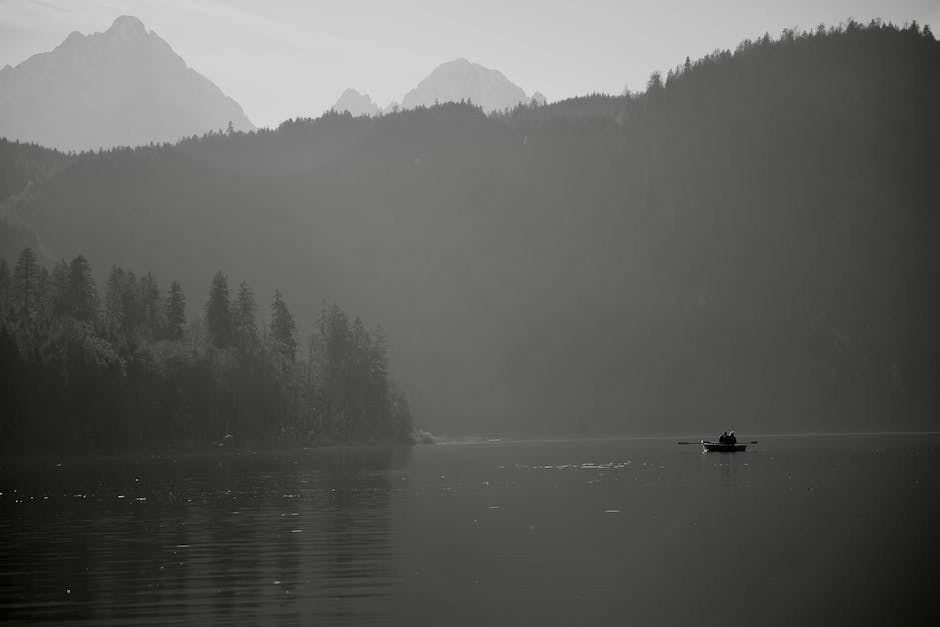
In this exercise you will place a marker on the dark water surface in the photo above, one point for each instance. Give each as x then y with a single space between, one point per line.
796 531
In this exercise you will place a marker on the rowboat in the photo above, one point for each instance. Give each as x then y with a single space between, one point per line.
717 447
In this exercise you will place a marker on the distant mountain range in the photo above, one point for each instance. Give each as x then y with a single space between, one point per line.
125 86
357 104
454 81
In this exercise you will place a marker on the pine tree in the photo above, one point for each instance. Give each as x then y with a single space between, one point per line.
378 357
336 349
43 295
334 329
282 329
25 273
82 298
655 83
150 303
243 317
219 313
114 303
133 306
60 287
175 312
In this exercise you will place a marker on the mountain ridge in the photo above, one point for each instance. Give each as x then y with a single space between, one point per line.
458 80
73 96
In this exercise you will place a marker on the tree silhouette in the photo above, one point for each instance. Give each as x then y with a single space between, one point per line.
81 298
218 312
243 317
25 274
175 312
129 383
282 329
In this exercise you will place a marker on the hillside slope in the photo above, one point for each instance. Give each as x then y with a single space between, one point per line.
751 241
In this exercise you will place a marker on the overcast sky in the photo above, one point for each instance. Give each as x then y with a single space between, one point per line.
288 58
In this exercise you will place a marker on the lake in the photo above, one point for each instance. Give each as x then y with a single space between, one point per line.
795 531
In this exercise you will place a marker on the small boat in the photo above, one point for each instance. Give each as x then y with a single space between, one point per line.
718 447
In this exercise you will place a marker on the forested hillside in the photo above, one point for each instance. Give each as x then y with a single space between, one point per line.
751 241
121 369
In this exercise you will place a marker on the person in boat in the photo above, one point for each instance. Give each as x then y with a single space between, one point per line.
723 438
731 439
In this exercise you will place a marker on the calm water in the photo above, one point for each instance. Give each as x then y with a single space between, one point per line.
796 531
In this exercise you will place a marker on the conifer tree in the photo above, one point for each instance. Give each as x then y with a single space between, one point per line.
150 304
378 356
81 296
114 302
60 287
43 295
25 274
175 312
282 329
219 313
655 83
243 317
133 306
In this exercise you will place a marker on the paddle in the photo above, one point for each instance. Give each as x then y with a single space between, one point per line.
681 442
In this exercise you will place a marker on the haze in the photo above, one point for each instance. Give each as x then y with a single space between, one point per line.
527 348
294 58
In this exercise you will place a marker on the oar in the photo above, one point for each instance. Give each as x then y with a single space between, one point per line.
681 442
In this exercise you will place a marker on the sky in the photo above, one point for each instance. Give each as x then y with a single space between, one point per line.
292 58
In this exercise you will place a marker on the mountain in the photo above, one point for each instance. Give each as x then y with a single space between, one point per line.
122 87
751 243
356 104
459 80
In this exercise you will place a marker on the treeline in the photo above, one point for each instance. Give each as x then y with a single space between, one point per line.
22 164
85 372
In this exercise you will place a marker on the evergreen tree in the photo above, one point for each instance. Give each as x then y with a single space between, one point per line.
175 312
243 317
133 306
114 303
282 329
60 287
81 296
335 355
378 357
334 329
219 312
150 304
25 274
43 295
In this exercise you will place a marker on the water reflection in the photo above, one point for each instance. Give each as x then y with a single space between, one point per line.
727 465
547 533
274 538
